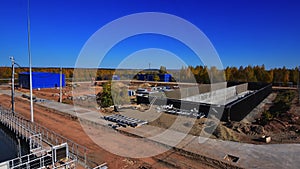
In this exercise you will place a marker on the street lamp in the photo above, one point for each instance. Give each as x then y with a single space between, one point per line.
12 84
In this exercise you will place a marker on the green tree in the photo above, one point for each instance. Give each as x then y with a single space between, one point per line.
104 98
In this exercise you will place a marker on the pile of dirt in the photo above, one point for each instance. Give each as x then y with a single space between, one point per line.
143 107
283 125
144 85
247 128
225 133
107 110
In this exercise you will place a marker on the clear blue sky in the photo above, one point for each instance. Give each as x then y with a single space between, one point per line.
252 32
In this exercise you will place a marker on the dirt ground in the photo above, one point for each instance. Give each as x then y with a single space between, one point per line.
67 92
286 127
283 130
72 129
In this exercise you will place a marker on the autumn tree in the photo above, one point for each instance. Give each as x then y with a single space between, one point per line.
156 77
294 75
163 70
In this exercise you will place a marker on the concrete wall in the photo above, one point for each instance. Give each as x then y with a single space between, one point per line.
218 96
194 90
241 88
239 109
234 111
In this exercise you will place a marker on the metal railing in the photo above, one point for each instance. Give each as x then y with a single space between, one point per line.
41 159
25 129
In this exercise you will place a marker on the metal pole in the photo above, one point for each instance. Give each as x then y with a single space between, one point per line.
60 84
19 148
30 69
12 85
298 85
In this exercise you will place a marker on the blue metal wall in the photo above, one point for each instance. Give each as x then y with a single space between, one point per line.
41 80
141 77
165 77
115 77
150 77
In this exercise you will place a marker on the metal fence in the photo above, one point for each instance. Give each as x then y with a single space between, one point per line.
42 159
25 129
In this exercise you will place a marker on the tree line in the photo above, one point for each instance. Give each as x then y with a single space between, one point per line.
200 74
247 74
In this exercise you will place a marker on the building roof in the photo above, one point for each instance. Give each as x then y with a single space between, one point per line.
36 73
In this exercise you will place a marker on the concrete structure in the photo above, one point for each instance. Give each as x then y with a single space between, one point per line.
41 80
234 102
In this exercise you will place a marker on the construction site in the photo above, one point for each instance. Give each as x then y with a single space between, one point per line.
218 125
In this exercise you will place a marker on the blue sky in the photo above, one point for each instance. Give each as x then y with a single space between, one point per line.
253 32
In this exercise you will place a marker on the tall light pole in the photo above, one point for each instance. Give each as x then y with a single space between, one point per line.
30 69
12 85
298 85
60 85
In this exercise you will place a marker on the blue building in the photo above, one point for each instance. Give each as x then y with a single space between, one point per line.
41 80
165 77
141 77
115 77
150 77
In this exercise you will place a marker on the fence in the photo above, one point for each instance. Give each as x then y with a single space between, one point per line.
25 129
42 159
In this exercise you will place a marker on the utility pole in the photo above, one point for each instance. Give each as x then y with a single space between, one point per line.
30 66
12 85
298 85
60 86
